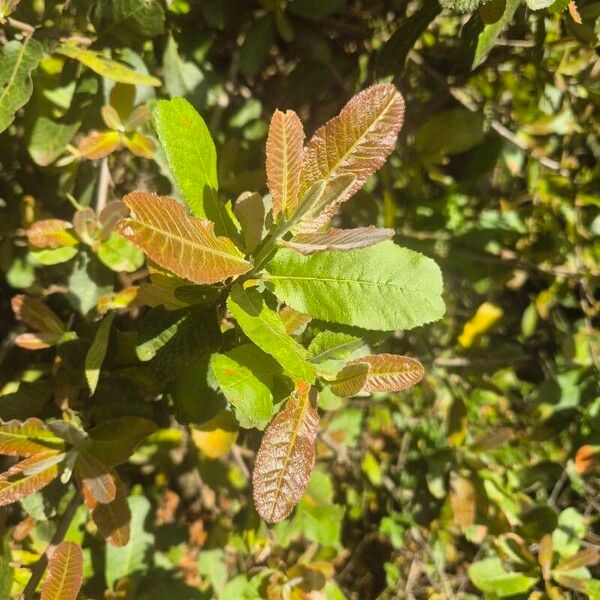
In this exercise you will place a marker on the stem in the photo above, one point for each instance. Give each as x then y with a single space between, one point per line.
103 182
39 568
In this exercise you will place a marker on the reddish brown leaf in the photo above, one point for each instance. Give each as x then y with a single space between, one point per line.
36 341
29 438
64 575
50 233
99 144
391 372
587 458
37 315
293 321
350 380
338 239
95 477
357 141
284 161
108 218
587 557
183 244
286 456
112 519
29 476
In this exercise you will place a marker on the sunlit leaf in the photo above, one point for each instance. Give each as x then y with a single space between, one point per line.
585 558
284 161
490 576
37 315
462 500
338 239
350 380
95 355
140 144
64 574
216 436
51 233
99 144
294 322
28 438
485 318
390 372
286 457
185 245
357 141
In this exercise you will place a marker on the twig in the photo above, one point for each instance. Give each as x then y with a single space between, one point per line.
39 568
103 181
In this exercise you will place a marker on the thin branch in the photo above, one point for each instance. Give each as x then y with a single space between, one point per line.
103 183
38 569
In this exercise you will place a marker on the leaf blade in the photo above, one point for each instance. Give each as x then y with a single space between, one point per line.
64 575
338 239
390 372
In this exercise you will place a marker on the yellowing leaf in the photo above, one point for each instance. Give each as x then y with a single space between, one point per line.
357 141
139 144
286 456
485 318
64 575
216 436
284 161
185 245
29 438
338 239
99 144
37 315
390 372
51 233
111 69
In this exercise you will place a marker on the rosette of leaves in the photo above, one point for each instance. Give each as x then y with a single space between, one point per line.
292 258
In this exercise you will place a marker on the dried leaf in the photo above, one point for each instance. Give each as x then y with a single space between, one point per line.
185 245
284 161
50 233
587 458
357 141
112 519
391 372
28 438
350 380
37 315
545 555
99 144
64 575
286 456
462 500
338 239
29 476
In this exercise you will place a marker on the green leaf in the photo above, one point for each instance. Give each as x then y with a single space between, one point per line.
333 345
266 329
17 61
130 558
95 356
129 21
7 572
53 256
255 48
181 78
106 67
49 139
490 33
462 6
192 159
489 576
119 255
89 280
383 287
539 4
245 376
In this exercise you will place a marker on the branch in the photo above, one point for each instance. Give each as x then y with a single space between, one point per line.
103 181
39 568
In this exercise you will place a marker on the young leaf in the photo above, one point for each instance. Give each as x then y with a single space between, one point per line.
350 380
250 212
99 144
29 476
139 144
294 322
383 287
286 457
17 61
51 233
338 239
111 69
29 438
265 328
64 575
333 345
244 375
95 477
284 161
95 355
113 519
184 245
37 315
357 141
390 372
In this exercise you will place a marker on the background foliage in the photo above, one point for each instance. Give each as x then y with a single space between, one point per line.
481 481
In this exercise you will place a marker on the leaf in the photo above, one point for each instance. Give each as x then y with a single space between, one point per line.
333 345
485 318
130 559
50 233
37 315
265 328
587 557
245 375
294 322
391 372
7 572
249 210
88 282
216 437
181 77
350 380
111 69
17 61
128 21
286 457
285 152
489 576
338 239
49 140
119 255
489 35
95 355
192 159
255 47
53 256
462 6
462 499
28 438
36 341
539 4
96 480
29 476
357 141
383 287
183 244
6 8
113 519
99 144
139 144
64 574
